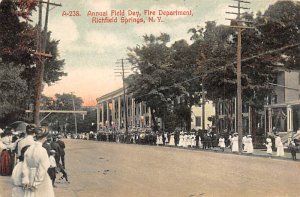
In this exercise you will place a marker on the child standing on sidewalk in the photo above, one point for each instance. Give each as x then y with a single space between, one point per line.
52 168
293 150
269 147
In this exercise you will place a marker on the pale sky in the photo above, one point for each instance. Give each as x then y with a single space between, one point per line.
92 50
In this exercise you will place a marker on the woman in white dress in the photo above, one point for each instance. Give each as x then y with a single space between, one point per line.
200 142
269 147
189 141
249 144
159 140
222 143
17 175
180 139
185 141
193 140
166 138
172 140
36 180
279 146
235 143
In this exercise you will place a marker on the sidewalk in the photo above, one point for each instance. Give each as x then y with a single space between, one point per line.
256 152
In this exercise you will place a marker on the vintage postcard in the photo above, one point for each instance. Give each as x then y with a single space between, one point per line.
147 98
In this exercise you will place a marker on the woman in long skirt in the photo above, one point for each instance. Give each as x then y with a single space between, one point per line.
7 156
249 144
235 143
279 146
172 140
269 147
17 175
36 180
222 143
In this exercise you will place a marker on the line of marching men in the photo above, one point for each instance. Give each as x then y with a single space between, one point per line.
32 159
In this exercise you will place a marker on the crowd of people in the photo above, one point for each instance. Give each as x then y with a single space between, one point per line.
33 159
193 139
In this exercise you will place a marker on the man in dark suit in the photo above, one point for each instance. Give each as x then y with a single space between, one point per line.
55 146
62 150
47 145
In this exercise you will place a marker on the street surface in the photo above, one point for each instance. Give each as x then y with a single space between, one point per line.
110 169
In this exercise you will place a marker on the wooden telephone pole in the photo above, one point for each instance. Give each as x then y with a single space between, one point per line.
239 26
122 72
40 53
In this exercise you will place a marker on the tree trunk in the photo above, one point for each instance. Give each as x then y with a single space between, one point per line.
189 119
153 120
254 123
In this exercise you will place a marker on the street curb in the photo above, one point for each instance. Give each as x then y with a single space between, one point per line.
207 150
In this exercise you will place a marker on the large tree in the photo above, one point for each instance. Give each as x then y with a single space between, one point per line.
151 80
187 86
12 90
277 28
65 101
166 79
17 46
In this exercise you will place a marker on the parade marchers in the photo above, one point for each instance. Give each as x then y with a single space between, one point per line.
32 159
206 140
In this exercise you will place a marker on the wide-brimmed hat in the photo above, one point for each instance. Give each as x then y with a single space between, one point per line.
41 133
30 129
7 131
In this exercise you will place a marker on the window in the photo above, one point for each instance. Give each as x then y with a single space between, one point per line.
198 121
220 109
274 99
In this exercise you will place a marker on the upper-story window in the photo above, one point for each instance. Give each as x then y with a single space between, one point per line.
274 99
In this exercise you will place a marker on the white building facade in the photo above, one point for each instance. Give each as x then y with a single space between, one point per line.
111 112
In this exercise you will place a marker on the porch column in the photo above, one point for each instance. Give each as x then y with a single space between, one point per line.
141 114
289 122
113 112
98 116
119 112
102 112
270 119
265 118
133 112
250 120
150 117
107 114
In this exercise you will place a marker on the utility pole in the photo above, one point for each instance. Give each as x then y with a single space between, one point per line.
203 105
74 109
40 53
239 26
122 72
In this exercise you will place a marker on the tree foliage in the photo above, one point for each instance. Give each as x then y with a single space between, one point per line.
12 91
211 61
150 81
163 77
278 27
61 102
18 44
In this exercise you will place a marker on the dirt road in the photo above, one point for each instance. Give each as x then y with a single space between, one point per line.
110 169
